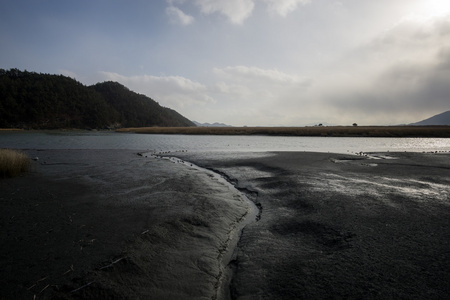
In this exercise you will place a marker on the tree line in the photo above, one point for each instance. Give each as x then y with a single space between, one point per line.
43 101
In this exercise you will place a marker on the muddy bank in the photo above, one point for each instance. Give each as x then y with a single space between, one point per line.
338 226
112 224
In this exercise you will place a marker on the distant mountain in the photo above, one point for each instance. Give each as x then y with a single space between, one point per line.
211 125
43 101
439 119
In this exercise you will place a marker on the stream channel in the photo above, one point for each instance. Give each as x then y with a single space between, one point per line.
253 215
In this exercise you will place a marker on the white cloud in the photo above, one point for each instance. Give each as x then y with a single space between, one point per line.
264 96
235 10
399 77
283 7
177 16
257 74
233 89
175 2
239 93
175 92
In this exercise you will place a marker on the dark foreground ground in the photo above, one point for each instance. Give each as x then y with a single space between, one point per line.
112 224
343 227
92 224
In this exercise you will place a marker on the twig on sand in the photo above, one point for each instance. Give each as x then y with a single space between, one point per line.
70 270
44 288
111 264
37 281
81 287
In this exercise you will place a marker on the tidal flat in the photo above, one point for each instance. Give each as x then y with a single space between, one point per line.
342 226
114 224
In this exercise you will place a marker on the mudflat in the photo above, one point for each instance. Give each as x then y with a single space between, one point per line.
342 226
113 224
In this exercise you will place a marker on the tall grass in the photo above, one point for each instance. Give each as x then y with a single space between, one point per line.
13 162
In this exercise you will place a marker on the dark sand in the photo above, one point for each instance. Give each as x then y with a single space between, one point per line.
112 224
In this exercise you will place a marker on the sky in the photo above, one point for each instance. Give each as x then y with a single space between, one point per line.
246 62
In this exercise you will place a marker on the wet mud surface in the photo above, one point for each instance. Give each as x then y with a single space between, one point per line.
113 224
338 226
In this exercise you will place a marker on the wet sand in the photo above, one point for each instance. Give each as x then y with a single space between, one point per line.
112 224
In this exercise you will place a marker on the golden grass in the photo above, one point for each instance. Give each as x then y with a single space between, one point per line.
13 162
335 131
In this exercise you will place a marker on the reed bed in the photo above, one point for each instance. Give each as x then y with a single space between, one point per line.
13 162
333 131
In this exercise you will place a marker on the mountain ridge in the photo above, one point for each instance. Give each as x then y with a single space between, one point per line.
439 119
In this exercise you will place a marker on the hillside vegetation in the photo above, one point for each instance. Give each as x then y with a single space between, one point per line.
43 101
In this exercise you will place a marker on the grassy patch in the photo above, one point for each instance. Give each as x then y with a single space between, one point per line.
337 131
13 162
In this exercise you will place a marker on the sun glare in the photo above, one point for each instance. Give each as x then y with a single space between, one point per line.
433 8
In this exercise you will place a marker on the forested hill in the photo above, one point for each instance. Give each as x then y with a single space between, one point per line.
43 101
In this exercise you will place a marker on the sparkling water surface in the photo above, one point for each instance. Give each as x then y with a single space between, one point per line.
212 143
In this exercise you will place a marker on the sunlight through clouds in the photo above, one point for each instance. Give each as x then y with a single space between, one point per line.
403 69
433 8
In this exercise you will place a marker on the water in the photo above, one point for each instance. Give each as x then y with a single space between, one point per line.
211 143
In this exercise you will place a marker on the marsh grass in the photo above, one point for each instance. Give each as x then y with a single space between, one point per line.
11 129
335 131
13 162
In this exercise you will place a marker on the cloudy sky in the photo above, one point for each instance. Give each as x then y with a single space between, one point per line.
246 62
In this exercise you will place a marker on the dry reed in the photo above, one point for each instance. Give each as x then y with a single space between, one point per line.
13 162
334 131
